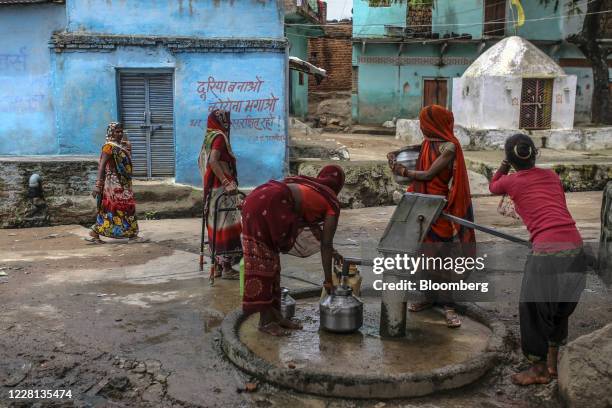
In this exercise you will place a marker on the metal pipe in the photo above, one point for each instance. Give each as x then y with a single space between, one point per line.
488 230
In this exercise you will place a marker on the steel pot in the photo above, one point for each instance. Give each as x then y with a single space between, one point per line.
287 304
407 157
341 312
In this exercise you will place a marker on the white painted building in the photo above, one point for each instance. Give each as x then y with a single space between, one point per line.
514 85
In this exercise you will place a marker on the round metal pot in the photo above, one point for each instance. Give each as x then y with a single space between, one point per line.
407 157
287 304
341 312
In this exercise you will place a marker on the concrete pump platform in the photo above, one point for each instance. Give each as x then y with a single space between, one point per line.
431 358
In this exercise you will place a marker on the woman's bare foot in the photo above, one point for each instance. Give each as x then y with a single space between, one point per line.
452 318
230 274
551 361
420 306
290 324
536 374
274 329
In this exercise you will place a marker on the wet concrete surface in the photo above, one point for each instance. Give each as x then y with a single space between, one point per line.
137 324
365 351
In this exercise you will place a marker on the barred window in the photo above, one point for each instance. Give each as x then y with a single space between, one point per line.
355 88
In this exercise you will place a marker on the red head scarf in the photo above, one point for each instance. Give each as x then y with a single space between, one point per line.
332 176
437 123
328 183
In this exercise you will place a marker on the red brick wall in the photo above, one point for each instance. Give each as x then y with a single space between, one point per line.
332 53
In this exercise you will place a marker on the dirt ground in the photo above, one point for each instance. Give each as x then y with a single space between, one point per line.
137 324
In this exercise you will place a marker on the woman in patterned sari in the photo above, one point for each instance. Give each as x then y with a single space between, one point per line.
218 168
113 190
441 170
297 216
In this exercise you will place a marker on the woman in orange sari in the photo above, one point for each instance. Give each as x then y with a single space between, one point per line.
440 170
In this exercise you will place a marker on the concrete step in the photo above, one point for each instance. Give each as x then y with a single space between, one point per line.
156 199
373 130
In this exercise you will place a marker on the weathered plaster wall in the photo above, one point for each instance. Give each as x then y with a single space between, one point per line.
370 21
66 183
388 90
487 103
466 91
91 78
494 102
564 102
194 18
298 47
260 152
465 16
26 105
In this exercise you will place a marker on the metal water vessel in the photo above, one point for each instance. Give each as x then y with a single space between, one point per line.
342 312
287 304
407 157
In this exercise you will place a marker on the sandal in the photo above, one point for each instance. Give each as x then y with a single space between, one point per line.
452 319
273 329
94 239
419 307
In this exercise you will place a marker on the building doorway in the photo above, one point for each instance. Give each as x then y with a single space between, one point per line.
494 18
435 92
146 108
536 103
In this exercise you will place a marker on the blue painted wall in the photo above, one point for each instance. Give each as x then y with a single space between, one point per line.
79 88
260 153
370 21
388 90
459 16
194 18
27 115
298 47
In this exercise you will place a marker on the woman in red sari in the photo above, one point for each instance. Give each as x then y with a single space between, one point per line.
218 167
441 170
297 216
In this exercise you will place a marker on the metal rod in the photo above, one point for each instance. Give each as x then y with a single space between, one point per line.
488 230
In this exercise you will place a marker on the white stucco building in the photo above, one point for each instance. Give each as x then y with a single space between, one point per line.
514 85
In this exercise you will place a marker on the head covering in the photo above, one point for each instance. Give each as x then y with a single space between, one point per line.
219 120
218 124
110 129
328 183
332 176
437 123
